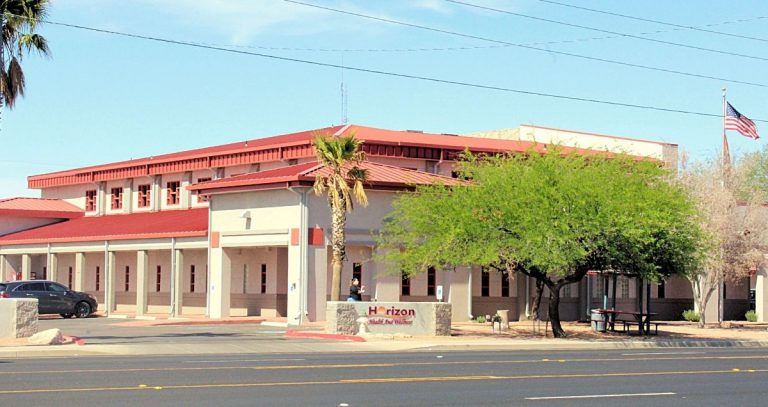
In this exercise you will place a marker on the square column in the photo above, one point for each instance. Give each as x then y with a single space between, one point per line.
110 286
177 283
26 266
761 294
293 311
142 271
53 267
79 271
4 269
459 294
317 286
220 284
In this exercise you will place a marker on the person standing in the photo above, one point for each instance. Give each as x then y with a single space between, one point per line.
356 291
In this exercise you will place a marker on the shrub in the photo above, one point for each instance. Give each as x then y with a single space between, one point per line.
480 319
751 316
691 315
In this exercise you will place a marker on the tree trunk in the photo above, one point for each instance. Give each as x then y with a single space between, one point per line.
336 266
537 299
554 311
338 243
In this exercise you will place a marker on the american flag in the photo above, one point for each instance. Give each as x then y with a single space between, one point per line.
737 121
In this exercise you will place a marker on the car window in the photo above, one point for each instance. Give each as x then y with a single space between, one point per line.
22 287
56 287
35 287
2 287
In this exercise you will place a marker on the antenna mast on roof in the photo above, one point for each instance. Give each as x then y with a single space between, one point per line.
343 94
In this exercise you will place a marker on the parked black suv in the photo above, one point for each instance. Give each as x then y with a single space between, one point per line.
53 298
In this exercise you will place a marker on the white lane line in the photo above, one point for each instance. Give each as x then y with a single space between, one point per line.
663 353
242 360
597 396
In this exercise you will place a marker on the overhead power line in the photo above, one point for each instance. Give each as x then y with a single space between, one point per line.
511 44
584 27
386 73
680 26
462 48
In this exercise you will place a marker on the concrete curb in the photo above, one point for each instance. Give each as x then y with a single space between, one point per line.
322 335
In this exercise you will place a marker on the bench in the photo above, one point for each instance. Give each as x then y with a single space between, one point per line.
630 324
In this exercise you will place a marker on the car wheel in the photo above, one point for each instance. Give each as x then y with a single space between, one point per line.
67 316
82 309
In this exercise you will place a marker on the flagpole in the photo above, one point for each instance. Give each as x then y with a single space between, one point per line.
726 155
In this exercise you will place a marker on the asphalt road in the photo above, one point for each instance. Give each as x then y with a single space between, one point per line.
680 377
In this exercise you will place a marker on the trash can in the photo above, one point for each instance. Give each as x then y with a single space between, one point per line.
598 321
504 314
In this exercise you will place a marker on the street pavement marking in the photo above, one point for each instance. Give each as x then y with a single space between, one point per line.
242 360
662 353
600 396
375 380
381 365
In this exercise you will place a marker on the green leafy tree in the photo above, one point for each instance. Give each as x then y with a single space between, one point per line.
341 155
549 216
19 21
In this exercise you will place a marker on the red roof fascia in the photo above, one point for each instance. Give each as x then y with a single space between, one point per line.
148 225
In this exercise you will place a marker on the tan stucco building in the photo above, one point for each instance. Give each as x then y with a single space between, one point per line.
234 229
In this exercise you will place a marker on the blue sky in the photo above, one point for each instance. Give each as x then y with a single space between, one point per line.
104 98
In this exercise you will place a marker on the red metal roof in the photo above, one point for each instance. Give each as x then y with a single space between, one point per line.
379 175
148 225
376 142
39 208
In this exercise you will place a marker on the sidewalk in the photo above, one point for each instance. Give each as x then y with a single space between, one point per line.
465 336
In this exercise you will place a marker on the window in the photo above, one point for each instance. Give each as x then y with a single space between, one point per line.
127 278
98 278
405 287
202 198
263 278
57 288
117 198
431 281
245 278
69 278
624 287
158 278
145 195
599 287
566 291
485 283
90 200
192 278
357 272
33 275
430 167
504 285
661 289
172 192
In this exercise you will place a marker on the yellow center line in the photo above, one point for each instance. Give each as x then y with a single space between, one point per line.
376 365
382 380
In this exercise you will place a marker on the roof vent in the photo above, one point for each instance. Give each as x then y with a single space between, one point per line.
450 134
415 131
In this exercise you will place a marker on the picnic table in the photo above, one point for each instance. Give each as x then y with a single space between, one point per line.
641 319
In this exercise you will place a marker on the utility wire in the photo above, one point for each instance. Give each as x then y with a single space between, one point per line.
549 51
390 74
458 48
584 27
685 27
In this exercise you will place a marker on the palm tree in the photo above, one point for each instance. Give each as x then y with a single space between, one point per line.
19 20
342 156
